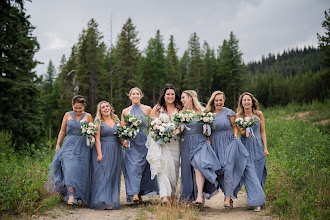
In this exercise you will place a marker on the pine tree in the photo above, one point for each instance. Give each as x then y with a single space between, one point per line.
210 65
195 67
324 41
20 98
231 69
155 73
126 58
173 65
90 72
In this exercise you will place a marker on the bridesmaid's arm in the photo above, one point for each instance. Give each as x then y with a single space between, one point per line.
263 132
62 132
122 121
98 144
147 110
89 117
154 113
235 130
243 133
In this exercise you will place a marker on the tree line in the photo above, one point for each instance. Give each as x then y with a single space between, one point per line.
33 107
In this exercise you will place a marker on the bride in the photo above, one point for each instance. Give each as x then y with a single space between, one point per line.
164 160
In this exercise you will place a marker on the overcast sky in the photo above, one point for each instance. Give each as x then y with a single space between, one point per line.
262 26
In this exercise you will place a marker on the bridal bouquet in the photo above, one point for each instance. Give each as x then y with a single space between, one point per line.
126 133
207 120
183 118
247 123
163 132
88 129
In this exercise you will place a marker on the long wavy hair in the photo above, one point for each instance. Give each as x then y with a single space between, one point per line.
210 105
161 101
198 108
99 116
255 104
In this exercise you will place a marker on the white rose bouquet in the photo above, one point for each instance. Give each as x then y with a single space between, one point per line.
182 119
132 121
163 132
88 129
126 133
247 123
207 120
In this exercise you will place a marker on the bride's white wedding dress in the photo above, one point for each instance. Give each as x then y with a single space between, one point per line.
164 162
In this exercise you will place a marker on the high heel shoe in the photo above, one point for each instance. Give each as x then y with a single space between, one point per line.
230 205
257 209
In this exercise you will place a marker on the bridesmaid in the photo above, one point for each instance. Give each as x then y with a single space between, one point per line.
256 164
231 152
136 168
167 155
106 160
69 171
198 160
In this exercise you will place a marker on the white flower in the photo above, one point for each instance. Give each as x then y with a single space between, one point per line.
206 119
161 129
130 119
247 118
135 124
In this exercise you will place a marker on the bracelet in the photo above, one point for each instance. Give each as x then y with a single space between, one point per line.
58 145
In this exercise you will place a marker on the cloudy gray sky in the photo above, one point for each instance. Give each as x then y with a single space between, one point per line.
262 26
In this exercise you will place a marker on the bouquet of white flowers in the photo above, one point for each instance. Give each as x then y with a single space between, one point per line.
182 119
132 121
247 123
207 120
88 129
126 133
163 132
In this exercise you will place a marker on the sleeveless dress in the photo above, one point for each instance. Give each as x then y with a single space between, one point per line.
231 153
70 165
197 153
254 190
164 162
106 175
136 168
255 148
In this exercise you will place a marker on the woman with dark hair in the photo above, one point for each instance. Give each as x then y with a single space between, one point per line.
169 154
136 168
69 171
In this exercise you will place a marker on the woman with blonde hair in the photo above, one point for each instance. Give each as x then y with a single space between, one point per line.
199 163
106 160
69 171
230 151
248 106
136 170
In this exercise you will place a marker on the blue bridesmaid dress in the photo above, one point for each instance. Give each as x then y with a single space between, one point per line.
136 168
255 148
231 152
106 175
71 164
253 177
197 153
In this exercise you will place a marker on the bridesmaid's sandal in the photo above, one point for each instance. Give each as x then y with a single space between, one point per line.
108 208
230 205
136 199
257 209
70 201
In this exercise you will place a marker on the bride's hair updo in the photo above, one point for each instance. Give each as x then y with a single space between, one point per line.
161 101
135 88
198 108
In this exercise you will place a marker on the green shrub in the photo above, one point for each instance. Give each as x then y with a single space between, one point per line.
22 176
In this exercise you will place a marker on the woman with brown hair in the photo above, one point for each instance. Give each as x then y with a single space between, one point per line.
69 171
